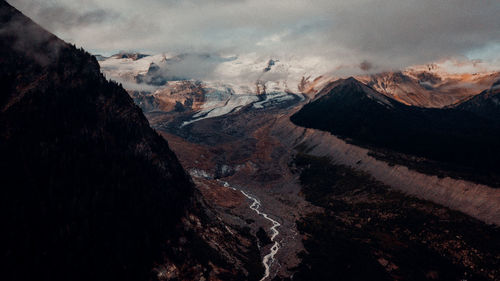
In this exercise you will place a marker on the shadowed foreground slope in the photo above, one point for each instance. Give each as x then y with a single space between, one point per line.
88 190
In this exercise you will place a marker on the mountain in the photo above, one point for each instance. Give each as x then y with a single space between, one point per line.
132 56
100 57
462 141
486 104
89 191
430 86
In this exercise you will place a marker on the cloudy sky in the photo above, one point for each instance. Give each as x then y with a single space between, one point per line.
381 33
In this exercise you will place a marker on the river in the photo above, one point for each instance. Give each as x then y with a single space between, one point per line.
255 206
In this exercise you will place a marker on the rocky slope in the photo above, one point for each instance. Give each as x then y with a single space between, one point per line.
89 190
369 231
476 200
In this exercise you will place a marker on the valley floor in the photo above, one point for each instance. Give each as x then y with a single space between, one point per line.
255 163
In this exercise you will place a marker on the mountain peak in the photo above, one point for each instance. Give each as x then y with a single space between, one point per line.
133 56
355 83
352 87
351 81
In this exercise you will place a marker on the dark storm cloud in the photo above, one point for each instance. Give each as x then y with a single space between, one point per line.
386 33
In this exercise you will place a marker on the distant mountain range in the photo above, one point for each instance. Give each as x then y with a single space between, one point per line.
159 82
463 137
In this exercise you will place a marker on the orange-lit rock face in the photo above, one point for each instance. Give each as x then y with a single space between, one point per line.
434 88
187 93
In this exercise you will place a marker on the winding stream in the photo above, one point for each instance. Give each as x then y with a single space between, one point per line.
269 258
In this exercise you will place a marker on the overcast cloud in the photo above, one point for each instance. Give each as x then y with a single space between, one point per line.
354 34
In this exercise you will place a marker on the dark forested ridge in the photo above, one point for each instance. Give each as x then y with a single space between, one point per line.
88 190
458 139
